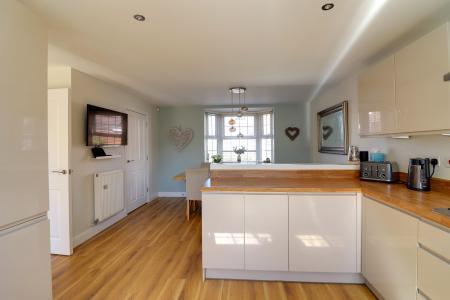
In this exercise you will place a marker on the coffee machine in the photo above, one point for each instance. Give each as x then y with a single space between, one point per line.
419 175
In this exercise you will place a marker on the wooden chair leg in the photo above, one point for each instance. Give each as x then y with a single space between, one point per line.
188 204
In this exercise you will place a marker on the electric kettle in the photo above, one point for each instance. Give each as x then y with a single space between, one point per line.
419 176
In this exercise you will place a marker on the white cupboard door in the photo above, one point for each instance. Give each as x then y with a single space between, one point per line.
390 251
25 261
323 233
266 232
376 91
136 154
433 275
59 178
422 95
223 231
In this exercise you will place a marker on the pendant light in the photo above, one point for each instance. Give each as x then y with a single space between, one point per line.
232 121
240 91
244 108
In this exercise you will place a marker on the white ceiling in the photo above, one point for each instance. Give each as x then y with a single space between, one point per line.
192 51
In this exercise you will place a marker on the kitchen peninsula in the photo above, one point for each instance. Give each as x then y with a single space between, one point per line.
313 223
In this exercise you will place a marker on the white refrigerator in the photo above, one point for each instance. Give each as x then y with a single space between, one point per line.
25 271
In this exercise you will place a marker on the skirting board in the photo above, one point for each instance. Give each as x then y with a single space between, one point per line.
94 230
172 194
284 276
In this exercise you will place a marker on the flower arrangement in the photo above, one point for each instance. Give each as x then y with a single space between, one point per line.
239 151
217 158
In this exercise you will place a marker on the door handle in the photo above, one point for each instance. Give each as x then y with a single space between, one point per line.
130 160
64 172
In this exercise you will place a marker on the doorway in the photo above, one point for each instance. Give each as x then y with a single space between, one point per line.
59 145
137 161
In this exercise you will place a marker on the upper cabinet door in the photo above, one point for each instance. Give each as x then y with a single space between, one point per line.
377 109
422 95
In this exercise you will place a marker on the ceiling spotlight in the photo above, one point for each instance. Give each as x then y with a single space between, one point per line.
327 6
139 18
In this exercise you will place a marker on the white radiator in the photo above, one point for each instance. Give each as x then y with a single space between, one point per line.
108 194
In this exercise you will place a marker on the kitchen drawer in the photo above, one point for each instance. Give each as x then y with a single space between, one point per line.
433 275
435 239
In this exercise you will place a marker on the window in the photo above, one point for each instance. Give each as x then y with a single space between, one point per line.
257 136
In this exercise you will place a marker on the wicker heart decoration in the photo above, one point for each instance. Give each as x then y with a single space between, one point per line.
181 138
292 132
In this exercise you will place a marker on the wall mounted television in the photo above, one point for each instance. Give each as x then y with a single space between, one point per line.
105 127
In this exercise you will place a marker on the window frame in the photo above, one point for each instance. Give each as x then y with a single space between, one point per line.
258 133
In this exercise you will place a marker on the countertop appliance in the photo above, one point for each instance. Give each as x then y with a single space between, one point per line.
385 171
419 175
443 211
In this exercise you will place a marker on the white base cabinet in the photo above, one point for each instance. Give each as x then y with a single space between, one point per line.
389 250
433 257
266 227
323 233
223 231
307 237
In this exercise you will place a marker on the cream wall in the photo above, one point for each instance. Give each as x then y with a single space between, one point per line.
85 90
396 150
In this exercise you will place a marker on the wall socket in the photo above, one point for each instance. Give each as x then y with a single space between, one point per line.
445 161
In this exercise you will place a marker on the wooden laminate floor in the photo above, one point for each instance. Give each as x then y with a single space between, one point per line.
155 254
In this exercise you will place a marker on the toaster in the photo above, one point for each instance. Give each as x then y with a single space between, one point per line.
385 171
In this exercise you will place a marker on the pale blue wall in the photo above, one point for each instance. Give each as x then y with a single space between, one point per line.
171 162
287 151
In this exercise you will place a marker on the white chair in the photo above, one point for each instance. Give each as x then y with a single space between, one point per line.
195 179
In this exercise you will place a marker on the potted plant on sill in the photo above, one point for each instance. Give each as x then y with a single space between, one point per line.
239 151
217 158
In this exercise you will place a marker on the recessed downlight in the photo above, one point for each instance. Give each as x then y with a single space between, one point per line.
327 6
139 18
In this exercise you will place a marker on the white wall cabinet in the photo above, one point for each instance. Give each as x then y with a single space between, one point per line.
376 93
223 231
389 250
266 232
323 233
406 93
423 97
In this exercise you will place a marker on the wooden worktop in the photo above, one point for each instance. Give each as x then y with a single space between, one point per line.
419 204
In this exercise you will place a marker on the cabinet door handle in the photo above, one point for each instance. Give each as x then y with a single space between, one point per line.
130 160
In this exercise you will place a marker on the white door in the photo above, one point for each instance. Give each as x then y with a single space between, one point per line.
136 154
58 163
266 232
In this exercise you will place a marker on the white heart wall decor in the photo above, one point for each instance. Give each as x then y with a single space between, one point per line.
181 138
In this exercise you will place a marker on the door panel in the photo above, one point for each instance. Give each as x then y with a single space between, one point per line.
25 261
377 105
422 94
58 163
223 231
137 194
266 232
390 251
323 233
